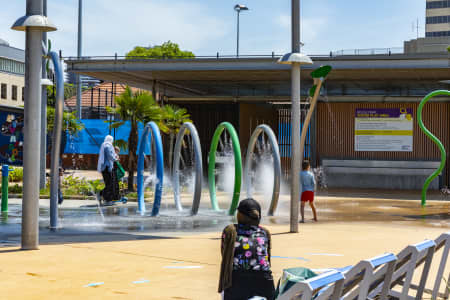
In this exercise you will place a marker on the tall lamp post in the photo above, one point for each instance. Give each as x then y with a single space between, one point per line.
238 8
295 59
80 36
33 23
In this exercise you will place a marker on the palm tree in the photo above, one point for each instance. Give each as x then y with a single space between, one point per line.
135 107
174 117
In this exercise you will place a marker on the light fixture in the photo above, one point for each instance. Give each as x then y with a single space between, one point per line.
291 58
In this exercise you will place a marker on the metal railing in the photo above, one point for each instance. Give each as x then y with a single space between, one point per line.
371 51
273 55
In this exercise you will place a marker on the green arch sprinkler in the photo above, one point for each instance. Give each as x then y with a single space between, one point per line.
434 139
237 167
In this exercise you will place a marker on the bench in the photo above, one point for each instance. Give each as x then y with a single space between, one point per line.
403 175
383 277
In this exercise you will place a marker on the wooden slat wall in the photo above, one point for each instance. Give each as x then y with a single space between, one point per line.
285 140
336 128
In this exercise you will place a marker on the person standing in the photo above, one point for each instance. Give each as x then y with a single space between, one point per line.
105 165
308 188
245 268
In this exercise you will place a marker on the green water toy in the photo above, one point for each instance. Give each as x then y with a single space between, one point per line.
434 139
237 167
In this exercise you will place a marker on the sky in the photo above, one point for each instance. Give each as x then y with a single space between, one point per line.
209 26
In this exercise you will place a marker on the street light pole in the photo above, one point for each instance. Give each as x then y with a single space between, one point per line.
238 8
295 59
295 119
33 23
43 111
237 42
80 35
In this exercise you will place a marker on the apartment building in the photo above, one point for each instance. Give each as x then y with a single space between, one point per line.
438 18
12 75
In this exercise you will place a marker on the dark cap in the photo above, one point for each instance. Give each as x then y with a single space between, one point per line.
248 206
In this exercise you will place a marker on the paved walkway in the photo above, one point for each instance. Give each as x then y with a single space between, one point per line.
154 260
186 267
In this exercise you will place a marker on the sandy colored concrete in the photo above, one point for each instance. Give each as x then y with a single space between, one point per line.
61 271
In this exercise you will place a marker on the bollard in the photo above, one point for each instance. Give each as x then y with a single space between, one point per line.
5 175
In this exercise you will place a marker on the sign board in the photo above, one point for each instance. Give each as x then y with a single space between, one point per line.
384 129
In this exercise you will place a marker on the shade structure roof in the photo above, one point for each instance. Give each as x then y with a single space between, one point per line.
222 76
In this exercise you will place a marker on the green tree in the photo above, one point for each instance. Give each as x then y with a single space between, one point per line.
69 91
70 123
166 50
135 107
174 117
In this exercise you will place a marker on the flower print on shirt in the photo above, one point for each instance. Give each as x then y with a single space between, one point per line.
251 249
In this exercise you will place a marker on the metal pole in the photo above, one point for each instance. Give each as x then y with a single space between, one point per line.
80 34
5 181
43 112
32 131
295 119
57 131
237 44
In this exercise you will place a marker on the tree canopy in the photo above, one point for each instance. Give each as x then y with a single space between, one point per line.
166 50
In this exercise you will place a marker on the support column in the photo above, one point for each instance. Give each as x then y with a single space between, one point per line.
295 147
295 120
43 112
32 131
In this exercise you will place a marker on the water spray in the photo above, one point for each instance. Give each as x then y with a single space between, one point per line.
188 127
276 164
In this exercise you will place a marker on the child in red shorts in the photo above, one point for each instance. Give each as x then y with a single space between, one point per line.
308 188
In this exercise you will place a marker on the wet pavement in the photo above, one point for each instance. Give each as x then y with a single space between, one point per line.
123 255
85 218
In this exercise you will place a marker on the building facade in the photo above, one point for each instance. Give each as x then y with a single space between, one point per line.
12 75
437 29
438 18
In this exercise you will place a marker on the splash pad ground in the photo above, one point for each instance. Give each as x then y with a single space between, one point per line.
177 257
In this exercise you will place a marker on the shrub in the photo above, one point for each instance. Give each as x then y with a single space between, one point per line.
77 186
15 189
97 185
16 175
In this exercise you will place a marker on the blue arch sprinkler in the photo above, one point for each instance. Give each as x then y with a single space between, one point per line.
434 139
155 136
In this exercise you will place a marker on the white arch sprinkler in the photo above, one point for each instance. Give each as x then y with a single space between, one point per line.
188 127
276 164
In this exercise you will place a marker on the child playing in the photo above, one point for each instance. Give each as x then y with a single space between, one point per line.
308 187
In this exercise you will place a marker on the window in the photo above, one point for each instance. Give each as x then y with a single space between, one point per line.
14 92
23 94
438 19
437 34
3 90
438 4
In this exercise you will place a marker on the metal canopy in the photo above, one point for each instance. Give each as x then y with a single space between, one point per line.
204 77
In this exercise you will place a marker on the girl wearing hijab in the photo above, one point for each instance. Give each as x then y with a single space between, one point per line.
245 268
106 159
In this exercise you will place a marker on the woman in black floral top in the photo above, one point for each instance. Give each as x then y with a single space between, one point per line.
245 269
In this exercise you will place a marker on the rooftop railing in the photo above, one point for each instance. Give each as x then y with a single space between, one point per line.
273 55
